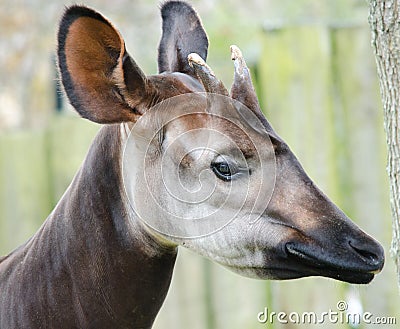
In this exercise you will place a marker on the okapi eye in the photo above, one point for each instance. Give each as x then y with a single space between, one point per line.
223 170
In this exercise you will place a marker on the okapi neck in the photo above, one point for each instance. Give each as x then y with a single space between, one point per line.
89 264
130 270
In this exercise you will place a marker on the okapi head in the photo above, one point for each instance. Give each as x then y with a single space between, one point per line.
202 167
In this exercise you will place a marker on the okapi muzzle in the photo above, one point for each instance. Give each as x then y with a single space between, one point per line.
323 241
180 161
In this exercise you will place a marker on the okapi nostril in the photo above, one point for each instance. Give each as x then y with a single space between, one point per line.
370 257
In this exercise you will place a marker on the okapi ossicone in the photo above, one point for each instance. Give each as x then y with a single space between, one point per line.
105 255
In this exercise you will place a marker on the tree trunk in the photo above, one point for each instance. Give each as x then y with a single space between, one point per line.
384 21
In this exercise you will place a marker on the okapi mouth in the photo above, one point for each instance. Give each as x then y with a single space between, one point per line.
354 265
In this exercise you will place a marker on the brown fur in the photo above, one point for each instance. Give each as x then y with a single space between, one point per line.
91 265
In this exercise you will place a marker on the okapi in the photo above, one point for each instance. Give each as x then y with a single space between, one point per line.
97 262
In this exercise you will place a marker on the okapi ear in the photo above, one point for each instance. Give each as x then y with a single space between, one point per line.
182 34
101 80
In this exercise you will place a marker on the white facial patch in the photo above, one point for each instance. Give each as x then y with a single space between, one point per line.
208 179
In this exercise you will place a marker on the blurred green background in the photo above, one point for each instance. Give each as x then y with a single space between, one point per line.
315 75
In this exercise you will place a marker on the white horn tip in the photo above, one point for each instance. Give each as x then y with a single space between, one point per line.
194 58
235 52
